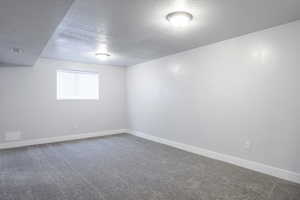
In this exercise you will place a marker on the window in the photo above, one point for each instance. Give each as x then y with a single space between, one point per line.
72 85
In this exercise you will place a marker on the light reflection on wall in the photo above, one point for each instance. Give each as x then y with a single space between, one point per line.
261 55
177 71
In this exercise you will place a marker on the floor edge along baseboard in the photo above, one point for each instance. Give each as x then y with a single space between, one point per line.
252 165
31 142
259 167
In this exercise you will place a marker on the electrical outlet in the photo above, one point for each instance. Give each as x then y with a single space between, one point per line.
13 135
247 145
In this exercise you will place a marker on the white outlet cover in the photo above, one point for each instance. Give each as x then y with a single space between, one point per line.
247 144
13 135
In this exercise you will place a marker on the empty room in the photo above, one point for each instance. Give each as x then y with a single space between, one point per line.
150 100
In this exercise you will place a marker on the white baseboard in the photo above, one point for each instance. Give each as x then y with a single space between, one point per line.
259 167
263 168
24 143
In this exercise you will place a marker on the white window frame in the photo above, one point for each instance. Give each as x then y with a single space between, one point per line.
76 98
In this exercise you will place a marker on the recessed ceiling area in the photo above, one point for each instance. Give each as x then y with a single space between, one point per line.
135 31
25 28
127 32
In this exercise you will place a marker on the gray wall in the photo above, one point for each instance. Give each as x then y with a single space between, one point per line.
28 101
238 97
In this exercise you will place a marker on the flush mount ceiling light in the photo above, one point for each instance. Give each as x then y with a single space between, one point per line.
179 18
103 56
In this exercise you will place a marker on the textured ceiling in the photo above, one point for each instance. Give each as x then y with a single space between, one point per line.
136 31
27 25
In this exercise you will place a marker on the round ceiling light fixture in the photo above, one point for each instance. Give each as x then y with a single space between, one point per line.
103 56
179 18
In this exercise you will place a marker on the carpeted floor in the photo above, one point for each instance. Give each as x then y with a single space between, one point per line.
125 167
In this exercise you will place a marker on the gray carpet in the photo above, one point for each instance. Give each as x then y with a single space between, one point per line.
125 167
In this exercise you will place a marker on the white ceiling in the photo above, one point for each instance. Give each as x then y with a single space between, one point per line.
134 31
28 25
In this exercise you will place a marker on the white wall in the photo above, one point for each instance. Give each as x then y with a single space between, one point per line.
28 101
219 96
